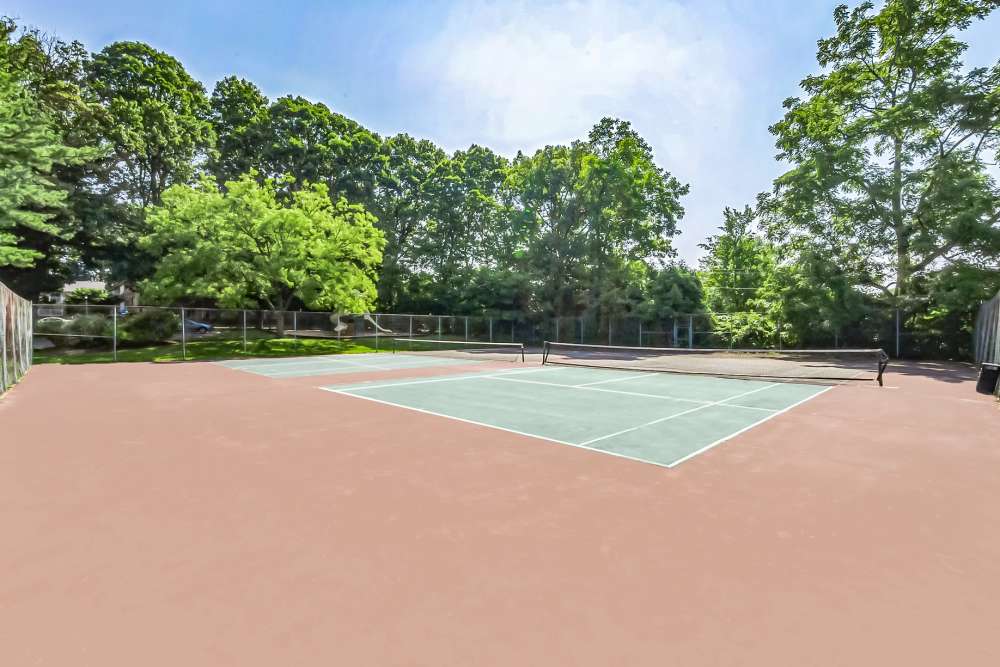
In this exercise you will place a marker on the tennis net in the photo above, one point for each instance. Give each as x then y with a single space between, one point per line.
460 349
828 366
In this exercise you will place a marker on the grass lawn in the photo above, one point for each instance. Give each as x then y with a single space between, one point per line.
203 348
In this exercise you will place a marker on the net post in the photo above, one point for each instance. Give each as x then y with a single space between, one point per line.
184 355
114 333
522 353
690 331
244 331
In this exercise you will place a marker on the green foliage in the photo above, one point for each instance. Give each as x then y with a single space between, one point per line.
91 295
672 291
155 120
943 324
890 147
259 346
588 211
246 245
890 200
239 118
89 325
50 325
149 326
30 151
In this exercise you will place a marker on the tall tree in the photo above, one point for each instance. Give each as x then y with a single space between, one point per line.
738 269
400 202
311 143
239 118
891 145
31 148
591 209
157 122
249 245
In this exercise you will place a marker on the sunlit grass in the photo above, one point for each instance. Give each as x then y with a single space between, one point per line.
213 348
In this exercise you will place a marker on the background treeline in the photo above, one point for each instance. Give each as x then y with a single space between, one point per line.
119 164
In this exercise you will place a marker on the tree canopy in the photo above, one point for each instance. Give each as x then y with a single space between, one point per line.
247 245
118 164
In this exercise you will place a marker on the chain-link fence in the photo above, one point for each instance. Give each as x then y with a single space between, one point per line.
98 333
987 335
15 337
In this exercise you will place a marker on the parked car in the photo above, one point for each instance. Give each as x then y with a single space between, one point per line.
52 321
197 327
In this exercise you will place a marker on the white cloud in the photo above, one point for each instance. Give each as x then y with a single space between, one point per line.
520 75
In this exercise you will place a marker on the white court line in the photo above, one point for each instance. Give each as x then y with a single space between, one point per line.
268 362
349 367
678 414
636 393
632 376
445 379
498 428
746 428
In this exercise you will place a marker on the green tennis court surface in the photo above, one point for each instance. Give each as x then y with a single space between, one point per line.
652 417
340 363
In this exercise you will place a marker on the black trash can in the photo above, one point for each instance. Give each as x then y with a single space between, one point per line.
988 375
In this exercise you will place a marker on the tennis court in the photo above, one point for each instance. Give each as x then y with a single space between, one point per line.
420 354
651 417
169 495
337 364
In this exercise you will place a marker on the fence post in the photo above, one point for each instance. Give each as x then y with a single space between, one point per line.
295 323
439 327
377 332
491 329
557 328
411 326
184 354
244 331
779 333
3 341
690 331
114 334
673 338
640 333
466 328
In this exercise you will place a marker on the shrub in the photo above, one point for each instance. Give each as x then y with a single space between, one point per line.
149 326
85 327
89 295
89 325
50 325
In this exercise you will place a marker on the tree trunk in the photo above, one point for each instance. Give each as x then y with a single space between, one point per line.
899 225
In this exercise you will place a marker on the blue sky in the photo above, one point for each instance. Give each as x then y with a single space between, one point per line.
701 81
